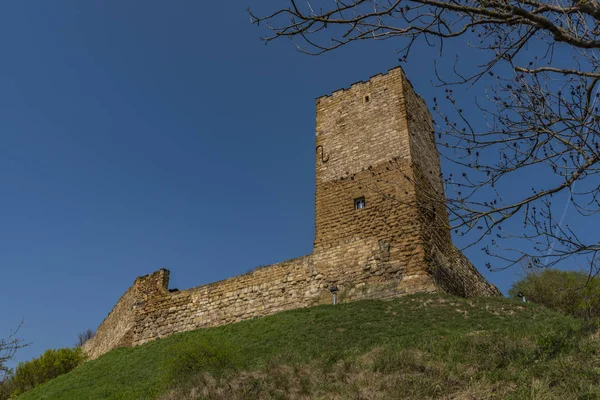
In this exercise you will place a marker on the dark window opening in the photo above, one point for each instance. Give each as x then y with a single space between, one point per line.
359 203
367 98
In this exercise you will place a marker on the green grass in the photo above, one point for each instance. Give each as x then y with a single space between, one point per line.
416 347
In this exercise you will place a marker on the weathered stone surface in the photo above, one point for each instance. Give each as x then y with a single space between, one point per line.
374 141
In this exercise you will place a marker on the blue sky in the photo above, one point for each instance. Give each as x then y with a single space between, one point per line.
143 135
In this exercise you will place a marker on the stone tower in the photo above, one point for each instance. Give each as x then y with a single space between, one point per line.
381 228
378 180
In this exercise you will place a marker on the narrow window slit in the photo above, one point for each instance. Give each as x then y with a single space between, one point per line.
359 203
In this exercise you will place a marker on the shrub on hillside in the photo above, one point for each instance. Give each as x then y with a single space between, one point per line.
48 366
570 292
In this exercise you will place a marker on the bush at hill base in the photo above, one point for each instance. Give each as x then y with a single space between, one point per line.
569 292
49 365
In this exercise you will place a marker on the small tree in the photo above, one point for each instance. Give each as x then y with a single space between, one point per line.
8 348
84 337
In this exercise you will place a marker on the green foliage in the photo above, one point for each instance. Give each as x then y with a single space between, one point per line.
49 365
6 389
415 347
569 292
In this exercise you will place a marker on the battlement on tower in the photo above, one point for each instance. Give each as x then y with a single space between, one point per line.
381 227
358 84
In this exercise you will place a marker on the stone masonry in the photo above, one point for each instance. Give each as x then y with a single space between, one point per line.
374 148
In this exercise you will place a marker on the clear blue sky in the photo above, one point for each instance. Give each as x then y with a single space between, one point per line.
141 135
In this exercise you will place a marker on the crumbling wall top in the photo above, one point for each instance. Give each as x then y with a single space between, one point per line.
151 285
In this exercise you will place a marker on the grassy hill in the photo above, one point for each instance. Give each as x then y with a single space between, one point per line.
416 347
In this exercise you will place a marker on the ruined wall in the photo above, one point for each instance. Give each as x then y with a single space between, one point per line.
113 331
454 273
117 328
374 140
363 268
360 269
263 291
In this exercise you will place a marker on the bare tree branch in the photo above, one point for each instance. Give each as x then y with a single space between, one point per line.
8 348
539 115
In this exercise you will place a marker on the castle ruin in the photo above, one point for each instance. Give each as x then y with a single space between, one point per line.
381 228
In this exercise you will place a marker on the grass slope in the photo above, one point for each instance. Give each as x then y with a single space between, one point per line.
417 347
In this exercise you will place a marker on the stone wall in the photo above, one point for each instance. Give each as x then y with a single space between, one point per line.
360 269
117 328
374 140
